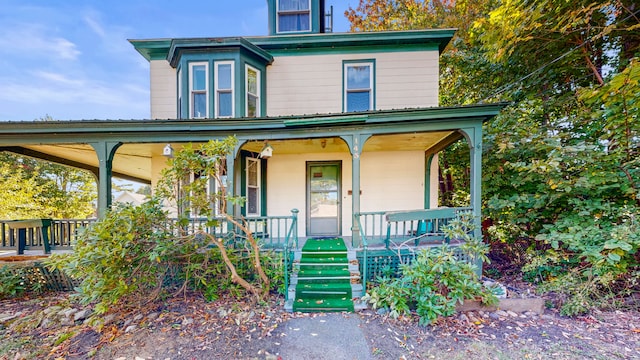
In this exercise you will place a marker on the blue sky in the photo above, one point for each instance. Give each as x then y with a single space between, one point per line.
70 59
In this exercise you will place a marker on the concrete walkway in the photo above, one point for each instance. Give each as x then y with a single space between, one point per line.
336 336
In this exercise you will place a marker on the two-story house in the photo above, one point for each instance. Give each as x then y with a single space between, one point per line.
343 127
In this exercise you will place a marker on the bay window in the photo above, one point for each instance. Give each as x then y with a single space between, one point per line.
224 89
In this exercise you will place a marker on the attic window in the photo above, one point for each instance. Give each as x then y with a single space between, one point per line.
294 15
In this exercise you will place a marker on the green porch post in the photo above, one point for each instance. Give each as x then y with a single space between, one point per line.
355 143
427 181
474 139
105 150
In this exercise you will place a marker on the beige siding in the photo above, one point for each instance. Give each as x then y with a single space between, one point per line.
163 90
392 180
389 181
313 83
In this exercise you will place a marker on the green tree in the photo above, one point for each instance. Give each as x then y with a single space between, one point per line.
560 164
39 189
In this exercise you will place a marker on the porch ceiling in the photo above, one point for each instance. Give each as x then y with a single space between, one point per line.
392 142
132 161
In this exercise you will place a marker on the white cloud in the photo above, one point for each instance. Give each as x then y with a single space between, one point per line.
33 40
94 24
57 78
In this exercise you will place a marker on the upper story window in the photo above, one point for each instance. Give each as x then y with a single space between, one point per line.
198 89
224 89
293 16
358 86
252 76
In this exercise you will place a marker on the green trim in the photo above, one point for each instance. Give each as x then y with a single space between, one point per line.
402 39
181 47
287 127
152 49
324 121
342 50
266 47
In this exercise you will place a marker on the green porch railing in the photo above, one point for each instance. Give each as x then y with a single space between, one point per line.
292 235
365 246
60 234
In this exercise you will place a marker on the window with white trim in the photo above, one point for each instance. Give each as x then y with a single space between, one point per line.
224 89
358 86
253 187
198 90
252 78
293 16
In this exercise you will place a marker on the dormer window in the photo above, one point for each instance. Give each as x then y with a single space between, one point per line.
293 16
198 88
224 89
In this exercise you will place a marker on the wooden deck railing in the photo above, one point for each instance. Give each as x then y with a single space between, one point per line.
384 228
271 232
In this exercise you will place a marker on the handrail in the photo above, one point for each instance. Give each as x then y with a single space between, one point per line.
292 233
365 246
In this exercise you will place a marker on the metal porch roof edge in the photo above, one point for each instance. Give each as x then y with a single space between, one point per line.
160 130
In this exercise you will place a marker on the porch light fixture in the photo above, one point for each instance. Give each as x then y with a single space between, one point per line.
266 151
167 151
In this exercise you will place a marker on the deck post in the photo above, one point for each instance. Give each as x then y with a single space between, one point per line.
105 150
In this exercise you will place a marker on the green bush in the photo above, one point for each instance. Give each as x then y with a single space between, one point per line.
11 284
436 280
135 255
593 260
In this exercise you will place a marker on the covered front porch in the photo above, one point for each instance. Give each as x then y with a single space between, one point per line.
368 178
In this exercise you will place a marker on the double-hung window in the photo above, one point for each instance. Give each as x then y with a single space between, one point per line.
224 89
358 86
252 77
253 187
294 16
198 88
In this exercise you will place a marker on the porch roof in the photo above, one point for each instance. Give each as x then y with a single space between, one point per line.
69 142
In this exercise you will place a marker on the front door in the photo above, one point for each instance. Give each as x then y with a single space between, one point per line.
323 198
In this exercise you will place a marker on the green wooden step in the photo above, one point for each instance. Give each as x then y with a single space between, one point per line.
312 271
323 290
323 305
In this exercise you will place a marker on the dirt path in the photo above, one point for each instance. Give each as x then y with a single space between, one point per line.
193 329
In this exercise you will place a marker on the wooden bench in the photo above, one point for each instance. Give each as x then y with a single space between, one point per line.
418 225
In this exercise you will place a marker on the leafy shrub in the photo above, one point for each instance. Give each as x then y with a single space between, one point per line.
593 258
137 253
436 281
11 284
